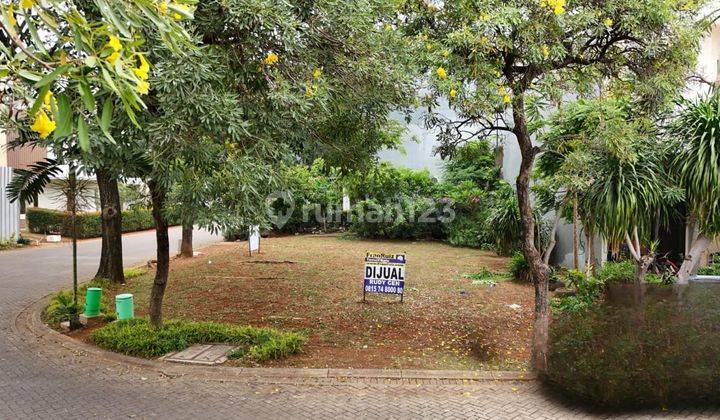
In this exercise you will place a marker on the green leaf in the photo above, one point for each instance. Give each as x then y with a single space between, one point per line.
64 117
106 114
83 139
48 78
38 101
32 76
87 96
109 13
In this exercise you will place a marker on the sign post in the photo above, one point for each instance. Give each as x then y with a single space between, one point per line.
384 273
254 238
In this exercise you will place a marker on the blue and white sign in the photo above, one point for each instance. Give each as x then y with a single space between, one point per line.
384 273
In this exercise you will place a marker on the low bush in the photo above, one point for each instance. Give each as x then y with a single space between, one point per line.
89 225
61 306
137 337
519 268
589 289
617 272
408 218
658 353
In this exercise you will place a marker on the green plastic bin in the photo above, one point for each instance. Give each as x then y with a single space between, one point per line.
92 301
124 306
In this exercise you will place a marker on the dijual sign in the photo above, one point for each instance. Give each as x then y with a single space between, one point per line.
384 273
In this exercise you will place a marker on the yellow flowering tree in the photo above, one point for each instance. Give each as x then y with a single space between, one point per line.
85 55
508 60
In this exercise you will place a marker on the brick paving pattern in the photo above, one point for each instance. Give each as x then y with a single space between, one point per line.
41 378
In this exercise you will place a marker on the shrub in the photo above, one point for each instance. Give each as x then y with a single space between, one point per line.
137 337
617 272
519 268
89 225
60 308
409 218
589 290
658 353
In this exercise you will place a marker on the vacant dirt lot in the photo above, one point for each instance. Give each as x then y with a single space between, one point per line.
314 284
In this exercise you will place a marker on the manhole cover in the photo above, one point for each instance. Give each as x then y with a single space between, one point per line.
201 354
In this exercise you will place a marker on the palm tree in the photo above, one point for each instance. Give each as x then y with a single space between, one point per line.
697 165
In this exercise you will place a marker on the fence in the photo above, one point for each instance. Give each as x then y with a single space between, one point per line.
9 212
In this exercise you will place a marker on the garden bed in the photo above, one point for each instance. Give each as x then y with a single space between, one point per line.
313 285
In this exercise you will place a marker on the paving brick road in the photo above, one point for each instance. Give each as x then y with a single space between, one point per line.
40 377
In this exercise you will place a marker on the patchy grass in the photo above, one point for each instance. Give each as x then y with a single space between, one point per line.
313 284
137 337
132 272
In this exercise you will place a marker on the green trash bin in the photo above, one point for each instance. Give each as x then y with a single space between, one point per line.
92 301
124 306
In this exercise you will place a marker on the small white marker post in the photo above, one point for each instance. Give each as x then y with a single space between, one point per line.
254 239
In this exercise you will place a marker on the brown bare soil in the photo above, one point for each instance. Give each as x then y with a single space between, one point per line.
313 283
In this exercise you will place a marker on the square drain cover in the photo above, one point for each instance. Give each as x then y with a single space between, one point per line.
201 354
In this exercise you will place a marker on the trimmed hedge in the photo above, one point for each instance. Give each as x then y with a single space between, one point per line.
89 225
137 337
661 351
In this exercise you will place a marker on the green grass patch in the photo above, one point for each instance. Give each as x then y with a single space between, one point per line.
132 272
137 337
486 277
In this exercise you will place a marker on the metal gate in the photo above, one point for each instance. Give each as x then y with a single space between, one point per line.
9 212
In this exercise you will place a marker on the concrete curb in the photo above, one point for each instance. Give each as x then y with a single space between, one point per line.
29 320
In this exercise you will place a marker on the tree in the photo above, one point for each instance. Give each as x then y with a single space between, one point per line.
499 63
282 82
697 165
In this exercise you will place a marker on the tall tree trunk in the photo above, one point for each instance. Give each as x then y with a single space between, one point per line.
186 245
692 259
111 260
540 270
157 195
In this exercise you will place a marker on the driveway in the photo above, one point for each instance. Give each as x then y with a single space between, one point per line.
40 377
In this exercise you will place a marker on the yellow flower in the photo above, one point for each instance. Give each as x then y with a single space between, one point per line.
11 14
27 4
441 72
545 51
506 98
112 58
47 98
388 27
142 87
317 73
163 7
309 92
453 93
114 43
429 47
184 7
271 59
43 125
484 16
446 53
142 71
608 22
557 6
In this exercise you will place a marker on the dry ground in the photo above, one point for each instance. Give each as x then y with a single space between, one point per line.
314 284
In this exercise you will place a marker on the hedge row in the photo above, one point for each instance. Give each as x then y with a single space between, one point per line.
88 224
